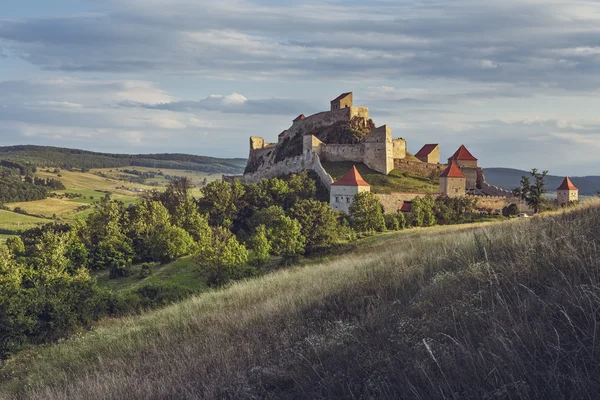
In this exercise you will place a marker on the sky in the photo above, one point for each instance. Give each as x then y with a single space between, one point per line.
516 81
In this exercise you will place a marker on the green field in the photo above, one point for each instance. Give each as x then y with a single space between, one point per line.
91 188
18 222
395 181
182 272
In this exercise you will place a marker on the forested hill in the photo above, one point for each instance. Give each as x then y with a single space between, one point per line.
47 156
508 178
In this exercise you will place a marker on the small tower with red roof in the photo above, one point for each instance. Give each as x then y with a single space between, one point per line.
343 191
453 182
463 158
567 192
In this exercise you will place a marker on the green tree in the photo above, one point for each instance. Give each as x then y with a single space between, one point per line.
225 259
421 212
260 247
222 201
394 222
532 192
171 242
366 213
16 246
283 232
319 223
300 187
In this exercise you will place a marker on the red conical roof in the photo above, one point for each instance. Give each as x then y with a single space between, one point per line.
452 171
463 154
352 178
567 185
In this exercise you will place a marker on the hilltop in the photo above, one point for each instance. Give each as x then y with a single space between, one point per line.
47 156
500 311
509 178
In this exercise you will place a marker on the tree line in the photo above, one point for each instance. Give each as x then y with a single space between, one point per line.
233 231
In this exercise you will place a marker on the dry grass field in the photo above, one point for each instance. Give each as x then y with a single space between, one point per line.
501 311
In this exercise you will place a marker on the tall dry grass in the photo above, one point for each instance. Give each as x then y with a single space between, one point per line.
510 311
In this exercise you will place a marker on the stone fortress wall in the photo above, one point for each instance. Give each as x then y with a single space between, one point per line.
378 150
308 161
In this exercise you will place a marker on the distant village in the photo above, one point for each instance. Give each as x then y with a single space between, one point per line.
345 133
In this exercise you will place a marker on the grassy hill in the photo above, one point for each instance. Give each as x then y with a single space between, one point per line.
395 181
46 156
508 178
503 311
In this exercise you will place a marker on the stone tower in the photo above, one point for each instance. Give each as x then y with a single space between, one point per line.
463 158
567 192
342 192
379 150
430 153
344 100
452 181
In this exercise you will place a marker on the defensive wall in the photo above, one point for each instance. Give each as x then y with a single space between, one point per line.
419 168
392 202
293 165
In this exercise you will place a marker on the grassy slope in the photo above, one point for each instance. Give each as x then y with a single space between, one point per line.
395 181
182 272
18 222
503 311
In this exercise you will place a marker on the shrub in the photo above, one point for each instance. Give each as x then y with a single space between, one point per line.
145 270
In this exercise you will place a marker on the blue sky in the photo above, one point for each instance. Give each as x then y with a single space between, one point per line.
516 81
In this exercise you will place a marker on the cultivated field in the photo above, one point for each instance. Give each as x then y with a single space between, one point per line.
19 222
507 311
91 187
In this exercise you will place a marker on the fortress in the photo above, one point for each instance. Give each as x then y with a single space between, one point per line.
346 133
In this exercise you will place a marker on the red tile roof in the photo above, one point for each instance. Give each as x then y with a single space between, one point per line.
452 171
352 178
299 117
341 96
406 206
426 150
567 185
462 154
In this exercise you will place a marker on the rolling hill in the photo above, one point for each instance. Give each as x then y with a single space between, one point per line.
503 311
508 178
47 156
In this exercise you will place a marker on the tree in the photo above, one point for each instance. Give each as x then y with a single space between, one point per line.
532 193
283 232
225 259
421 212
260 247
451 210
395 222
176 193
511 210
171 242
222 202
16 246
366 213
319 223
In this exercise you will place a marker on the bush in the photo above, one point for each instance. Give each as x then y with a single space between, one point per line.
145 270
394 222
160 294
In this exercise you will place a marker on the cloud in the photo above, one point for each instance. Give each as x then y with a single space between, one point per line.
519 42
234 103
